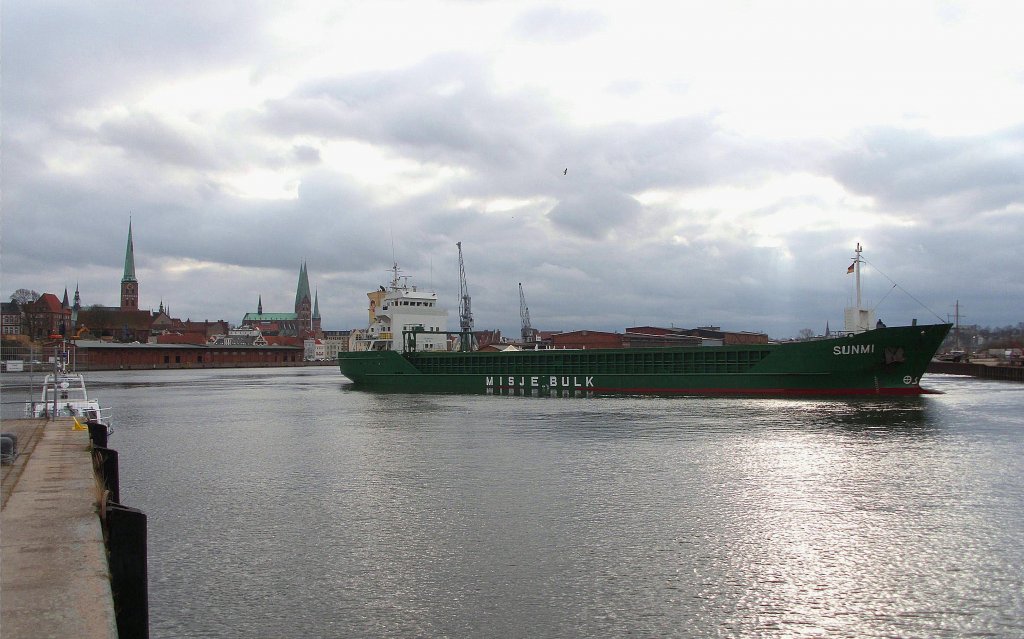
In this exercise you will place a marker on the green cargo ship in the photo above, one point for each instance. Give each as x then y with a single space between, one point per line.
883 361
406 349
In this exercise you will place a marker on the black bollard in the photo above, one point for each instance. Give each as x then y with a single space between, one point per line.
97 433
104 461
126 543
8 448
13 438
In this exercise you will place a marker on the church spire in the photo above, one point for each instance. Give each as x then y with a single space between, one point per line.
259 306
129 258
302 290
316 305
129 285
75 307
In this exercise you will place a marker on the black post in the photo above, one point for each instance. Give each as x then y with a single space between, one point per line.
126 542
105 463
97 433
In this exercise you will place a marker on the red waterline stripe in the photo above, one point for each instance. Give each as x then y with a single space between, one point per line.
734 391
769 391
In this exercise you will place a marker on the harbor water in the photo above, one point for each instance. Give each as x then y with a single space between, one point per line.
284 503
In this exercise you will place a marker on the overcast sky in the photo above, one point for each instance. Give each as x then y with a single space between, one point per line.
724 158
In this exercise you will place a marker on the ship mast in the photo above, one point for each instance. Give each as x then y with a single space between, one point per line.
957 325
856 264
397 282
858 319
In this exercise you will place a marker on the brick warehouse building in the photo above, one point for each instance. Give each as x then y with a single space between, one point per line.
97 355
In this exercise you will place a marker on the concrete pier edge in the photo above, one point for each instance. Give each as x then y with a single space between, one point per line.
54 574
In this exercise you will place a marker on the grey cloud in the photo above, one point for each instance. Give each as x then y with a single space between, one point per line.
306 154
512 144
655 282
595 213
233 146
952 177
442 110
114 48
145 135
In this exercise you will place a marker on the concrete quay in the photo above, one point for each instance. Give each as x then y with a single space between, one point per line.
974 369
54 574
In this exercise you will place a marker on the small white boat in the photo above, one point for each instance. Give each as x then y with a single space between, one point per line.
63 394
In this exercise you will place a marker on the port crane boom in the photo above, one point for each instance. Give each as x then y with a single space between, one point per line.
524 315
465 305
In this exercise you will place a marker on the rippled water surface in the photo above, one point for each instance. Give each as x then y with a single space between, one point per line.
283 503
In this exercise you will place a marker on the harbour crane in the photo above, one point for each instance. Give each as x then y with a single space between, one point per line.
524 315
465 306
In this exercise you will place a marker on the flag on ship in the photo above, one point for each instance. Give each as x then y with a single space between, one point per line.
850 270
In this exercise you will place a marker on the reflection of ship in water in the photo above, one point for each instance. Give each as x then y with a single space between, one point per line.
868 416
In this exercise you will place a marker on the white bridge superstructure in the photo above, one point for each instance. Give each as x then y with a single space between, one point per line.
403 308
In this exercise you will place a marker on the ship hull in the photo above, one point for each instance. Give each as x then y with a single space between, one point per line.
887 361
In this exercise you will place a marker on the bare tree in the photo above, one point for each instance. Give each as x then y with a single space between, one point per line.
24 296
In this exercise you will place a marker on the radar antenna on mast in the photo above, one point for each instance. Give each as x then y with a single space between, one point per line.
465 306
524 315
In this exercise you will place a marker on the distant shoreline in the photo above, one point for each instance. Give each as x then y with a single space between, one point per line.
85 368
982 371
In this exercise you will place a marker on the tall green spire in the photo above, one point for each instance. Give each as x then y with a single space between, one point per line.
316 305
302 291
129 258
129 285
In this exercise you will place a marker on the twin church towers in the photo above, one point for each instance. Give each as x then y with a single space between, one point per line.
303 322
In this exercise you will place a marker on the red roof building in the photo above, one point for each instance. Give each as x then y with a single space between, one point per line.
47 316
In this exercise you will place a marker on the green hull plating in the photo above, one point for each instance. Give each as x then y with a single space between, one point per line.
886 361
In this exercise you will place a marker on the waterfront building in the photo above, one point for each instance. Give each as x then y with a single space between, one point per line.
313 350
47 316
241 336
487 338
709 334
103 355
10 319
335 342
303 322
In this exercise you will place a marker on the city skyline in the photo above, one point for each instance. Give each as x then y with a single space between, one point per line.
306 302
645 165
